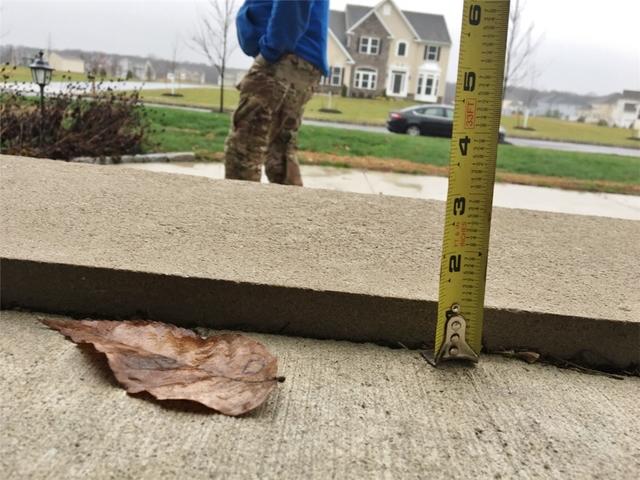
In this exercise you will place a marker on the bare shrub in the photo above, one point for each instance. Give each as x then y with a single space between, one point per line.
73 124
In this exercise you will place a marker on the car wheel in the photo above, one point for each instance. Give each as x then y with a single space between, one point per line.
413 130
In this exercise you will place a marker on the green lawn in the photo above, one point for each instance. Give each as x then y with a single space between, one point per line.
23 74
354 110
554 129
177 130
376 111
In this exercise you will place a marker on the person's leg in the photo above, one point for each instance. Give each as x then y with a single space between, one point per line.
246 145
281 162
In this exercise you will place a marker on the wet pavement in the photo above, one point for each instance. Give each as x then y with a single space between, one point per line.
575 147
428 187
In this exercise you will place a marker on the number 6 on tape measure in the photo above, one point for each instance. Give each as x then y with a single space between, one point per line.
474 146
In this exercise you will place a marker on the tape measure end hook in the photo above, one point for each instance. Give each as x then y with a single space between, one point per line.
455 346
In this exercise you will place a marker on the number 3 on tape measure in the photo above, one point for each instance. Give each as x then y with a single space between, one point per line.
471 178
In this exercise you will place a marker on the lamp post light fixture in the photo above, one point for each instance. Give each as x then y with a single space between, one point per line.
41 75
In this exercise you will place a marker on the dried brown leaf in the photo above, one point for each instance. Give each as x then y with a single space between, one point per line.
230 373
524 355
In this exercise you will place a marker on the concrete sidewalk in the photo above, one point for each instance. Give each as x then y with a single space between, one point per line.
346 411
104 242
506 195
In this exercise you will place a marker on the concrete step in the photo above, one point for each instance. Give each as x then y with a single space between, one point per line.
345 411
106 242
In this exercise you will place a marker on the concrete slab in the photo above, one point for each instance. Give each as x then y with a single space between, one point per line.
346 411
101 241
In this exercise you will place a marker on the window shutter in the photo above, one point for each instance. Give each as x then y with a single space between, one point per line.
438 55
426 52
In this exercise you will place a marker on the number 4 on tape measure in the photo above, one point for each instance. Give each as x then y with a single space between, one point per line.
474 146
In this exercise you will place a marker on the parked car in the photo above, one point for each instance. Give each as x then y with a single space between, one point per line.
436 120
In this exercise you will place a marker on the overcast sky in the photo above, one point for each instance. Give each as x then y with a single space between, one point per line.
587 46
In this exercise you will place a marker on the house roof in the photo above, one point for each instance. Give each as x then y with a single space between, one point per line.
337 24
354 14
631 94
429 27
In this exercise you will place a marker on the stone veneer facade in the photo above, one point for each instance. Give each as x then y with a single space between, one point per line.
371 27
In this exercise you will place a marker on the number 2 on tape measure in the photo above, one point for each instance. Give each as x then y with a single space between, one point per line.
474 146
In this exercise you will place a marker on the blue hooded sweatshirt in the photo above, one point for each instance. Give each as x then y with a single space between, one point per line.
276 27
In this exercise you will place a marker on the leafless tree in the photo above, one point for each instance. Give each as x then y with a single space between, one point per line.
213 39
521 45
173 65
174 54
531 94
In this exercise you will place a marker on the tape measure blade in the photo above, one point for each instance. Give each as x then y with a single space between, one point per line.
472 163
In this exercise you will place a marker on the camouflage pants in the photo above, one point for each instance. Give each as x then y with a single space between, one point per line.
265 125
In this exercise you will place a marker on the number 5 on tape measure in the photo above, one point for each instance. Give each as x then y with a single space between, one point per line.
474 146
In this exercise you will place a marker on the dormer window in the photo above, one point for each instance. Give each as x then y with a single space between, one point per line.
402 49
369 45
432 53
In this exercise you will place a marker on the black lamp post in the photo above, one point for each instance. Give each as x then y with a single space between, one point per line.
41 74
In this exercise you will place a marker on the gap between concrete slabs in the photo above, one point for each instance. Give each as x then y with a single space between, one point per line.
189 301
97 241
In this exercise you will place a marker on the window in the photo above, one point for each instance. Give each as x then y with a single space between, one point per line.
431 85
386 9
630 107
336 76
369 45
430 112
428 87
427 84
449 113
434 112
366 78
432 53
402 49
397 81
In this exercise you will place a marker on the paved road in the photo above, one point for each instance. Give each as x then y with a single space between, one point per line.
347 126
521 142
575 147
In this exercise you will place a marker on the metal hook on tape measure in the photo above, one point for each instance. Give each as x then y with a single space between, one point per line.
454 346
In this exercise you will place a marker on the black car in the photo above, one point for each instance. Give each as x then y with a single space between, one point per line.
434 120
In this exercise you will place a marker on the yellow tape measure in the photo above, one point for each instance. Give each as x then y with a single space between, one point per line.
474 146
